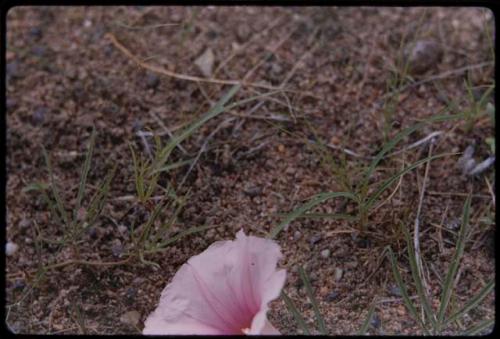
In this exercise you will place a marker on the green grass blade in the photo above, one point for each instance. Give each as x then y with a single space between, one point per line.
368 319
173 166
400 136
422 295
85 172
314 201
480 327
181 235
476 300
402 287
334 216
55 191
455 262
371 200
138 174
310 293
216 110
99 198
298 318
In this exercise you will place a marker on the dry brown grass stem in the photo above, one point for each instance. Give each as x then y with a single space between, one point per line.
168 73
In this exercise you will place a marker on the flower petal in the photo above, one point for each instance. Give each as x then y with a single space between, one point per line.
223 290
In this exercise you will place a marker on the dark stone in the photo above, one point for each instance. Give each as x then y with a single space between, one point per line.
423 55
375 322
39 51
332 296
314 239
12 69
253 191
19 285
36 33
130 295
38 116
395 291
152 81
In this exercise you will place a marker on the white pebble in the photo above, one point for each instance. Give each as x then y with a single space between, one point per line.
325 253
338 274
10 248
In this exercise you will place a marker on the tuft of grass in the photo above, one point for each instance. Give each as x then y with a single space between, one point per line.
359 194
83 216
436 321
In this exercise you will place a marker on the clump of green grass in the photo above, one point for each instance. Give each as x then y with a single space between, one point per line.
433 321
76 223
364 194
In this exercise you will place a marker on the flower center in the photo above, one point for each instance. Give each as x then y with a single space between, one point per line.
245 330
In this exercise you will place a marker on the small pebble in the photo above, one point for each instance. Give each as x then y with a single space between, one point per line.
253 191
152 80
19 285
36 33
117 249
297 235
338 274
314 239
131 294
375 322
395 291
39 114
24 223
423 55
130 318
325 253
10 248
332 296
92 233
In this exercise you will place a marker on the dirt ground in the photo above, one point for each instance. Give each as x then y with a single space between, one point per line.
64 75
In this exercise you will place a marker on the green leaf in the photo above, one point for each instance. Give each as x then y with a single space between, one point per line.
314 201
310 293
298 318
368 319
371 200
480 327
476 300
402 287
55 191
416 274
85 172
455 262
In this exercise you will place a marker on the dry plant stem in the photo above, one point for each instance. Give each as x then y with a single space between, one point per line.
272 50
167 130
416 241
440 76
299 63
490 189
243 47
439 230
168 73
393 192
204 147
77 262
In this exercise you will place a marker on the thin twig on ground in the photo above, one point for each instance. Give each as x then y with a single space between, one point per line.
167 130
168 73
440 76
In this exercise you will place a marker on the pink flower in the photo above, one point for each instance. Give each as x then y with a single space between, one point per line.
224 290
